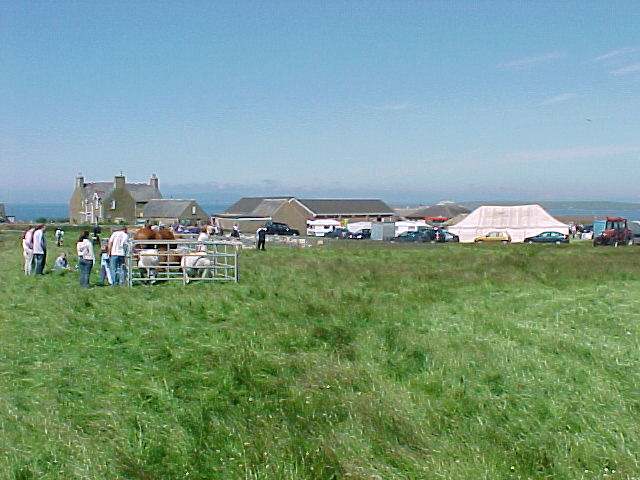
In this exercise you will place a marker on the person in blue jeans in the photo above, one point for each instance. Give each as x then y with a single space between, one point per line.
117 250
86 258
40 249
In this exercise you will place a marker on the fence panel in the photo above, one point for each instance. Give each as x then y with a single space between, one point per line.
151 261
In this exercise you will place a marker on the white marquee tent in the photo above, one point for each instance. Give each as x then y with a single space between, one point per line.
519 222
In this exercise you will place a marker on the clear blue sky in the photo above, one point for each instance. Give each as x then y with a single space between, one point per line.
459 100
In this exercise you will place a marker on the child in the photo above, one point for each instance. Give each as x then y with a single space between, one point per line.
61 265
105 272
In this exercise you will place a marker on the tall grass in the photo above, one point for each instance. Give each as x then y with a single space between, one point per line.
347 361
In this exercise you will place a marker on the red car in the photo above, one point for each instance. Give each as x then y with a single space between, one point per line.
616 232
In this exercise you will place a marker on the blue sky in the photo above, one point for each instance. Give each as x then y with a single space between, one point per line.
408 100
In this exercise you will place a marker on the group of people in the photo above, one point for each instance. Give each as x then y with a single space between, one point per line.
34 248
112 258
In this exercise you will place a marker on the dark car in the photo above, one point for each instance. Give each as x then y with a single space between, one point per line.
337 233
276 228
548 237
360 234
413 236
450 237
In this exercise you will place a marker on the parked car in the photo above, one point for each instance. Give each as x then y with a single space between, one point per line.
413 236
634 226
494 237
616 232
548 237
446 236
276 228
337 233
360 234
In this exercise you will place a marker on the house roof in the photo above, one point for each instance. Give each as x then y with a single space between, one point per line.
267 206
141 192
167 208
446 210
354 206
247 206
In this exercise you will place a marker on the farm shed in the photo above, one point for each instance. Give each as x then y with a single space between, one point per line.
251 212
519 222
169 211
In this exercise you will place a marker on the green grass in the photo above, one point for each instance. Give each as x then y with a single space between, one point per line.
348 361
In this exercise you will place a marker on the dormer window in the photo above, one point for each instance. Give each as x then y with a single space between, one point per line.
113 204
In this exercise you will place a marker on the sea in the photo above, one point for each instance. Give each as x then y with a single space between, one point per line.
29 212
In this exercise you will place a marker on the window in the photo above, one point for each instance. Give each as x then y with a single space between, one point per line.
113 204
193 210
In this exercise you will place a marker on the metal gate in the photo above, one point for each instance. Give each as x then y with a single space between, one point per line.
152 261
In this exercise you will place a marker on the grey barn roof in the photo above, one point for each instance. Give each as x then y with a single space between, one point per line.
248 205
347 206
447 210
166 208
267 206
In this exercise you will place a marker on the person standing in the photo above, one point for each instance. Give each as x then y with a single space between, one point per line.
116 249
203 237
40 248
59 236
27 250
105 272
86 258
235 233
261 235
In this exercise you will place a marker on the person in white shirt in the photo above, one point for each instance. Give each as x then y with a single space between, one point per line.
27 250
86 258
40 248
59 236
61 265
203 237
116 248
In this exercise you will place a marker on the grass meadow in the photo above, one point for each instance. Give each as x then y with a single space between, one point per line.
354 361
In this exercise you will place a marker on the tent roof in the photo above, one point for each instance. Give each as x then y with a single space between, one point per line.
520 216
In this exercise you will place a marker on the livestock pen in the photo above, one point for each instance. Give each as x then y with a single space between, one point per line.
181 260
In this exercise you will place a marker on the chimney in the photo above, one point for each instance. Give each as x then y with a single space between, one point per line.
153 181
118 181
80 181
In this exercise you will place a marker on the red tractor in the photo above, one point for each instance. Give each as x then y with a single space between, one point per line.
616 232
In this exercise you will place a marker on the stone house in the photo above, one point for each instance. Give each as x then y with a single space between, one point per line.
111 202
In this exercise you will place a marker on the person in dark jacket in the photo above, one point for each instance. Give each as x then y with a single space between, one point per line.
261 236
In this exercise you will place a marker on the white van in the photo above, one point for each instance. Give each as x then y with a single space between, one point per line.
318 228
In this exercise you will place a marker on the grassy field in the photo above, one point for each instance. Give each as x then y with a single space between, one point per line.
347 361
